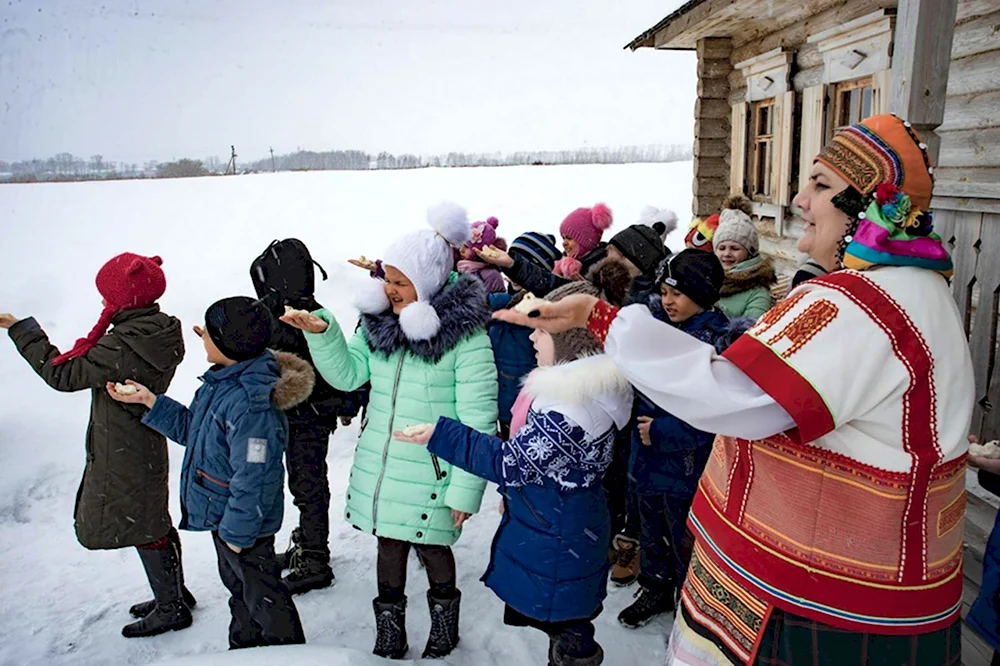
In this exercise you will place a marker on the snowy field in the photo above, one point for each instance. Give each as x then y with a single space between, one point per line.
61 604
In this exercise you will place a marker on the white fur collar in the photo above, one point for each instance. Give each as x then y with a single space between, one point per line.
577 381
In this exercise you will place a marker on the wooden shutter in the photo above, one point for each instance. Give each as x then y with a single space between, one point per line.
781 168
881 94
738 149
813 124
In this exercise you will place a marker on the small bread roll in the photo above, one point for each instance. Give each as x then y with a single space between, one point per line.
292 311
125 389
530 303
987 450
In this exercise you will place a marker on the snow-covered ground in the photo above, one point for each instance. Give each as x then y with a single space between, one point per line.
62 604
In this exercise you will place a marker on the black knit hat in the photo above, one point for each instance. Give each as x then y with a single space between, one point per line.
641 245
239 326
539 249
696 274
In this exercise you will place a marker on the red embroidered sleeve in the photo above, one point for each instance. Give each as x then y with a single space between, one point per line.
600 320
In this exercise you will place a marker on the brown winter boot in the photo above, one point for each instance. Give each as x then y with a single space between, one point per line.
626 568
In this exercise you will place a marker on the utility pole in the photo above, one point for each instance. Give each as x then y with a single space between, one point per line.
273 169
231 167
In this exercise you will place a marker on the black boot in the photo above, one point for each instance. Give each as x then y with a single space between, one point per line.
308 570
444 624
390 623
144 608
648 604
559 658
170 613
285 559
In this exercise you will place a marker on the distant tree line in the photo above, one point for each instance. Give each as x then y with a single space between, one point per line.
68 167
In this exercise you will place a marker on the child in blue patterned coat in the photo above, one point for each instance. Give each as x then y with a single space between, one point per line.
549 561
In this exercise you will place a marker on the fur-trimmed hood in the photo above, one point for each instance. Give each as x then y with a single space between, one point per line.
296 382
594 379
754 272
461 307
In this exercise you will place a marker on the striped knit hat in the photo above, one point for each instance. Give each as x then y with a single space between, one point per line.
536 248
884 159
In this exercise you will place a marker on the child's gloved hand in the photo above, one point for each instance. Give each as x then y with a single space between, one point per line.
645 424
305 321
7 320
492 255
132 393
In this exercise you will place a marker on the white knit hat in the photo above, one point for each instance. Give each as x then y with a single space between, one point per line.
735 225
663 220
426 258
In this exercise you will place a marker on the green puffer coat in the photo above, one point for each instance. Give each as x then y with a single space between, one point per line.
398 490
747 289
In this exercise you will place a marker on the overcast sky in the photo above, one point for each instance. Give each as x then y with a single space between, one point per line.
161 79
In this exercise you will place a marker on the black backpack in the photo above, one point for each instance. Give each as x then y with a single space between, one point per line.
284 273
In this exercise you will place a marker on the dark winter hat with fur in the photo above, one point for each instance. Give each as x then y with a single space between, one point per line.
696 274
641 245
578 342
239 326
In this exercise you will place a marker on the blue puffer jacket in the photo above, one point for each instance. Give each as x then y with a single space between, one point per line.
674 462
549 559
984 616
514 355
232 478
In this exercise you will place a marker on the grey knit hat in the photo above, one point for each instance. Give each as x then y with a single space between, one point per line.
735 225
577 342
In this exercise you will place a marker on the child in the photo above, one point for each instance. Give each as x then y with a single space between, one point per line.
512 348
668 455
549 559
581 233
749 274
701 234
232 481
122 499
284 276
484 234
423 345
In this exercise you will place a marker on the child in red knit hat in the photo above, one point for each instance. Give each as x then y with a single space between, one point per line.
122 499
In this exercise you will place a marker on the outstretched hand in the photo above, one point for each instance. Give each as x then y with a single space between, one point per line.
305 321
415 434
363 262
495 256
981 462
7 320
564 315
142 395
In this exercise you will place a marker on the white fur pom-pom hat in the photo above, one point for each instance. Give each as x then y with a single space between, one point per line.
426 258
663 220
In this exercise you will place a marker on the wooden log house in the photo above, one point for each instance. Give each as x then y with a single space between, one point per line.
776 78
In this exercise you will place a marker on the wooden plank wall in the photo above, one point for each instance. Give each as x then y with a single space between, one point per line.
969 165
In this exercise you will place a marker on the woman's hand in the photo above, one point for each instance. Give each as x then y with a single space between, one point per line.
420 434
307 322
7 320
496 257
645 424
459 517
569 313
142 395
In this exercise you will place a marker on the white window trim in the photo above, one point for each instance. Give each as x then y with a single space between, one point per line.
858 48
768 74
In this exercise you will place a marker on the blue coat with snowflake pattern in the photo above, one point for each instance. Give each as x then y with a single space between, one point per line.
549 559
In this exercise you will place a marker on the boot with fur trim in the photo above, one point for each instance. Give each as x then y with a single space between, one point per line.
626 569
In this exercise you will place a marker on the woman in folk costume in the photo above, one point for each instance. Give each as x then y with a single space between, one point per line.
423 346
830 518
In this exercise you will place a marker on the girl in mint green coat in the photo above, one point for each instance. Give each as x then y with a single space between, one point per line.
423 346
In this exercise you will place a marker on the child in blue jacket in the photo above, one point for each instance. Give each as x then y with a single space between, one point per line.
549 561
232 478
668 455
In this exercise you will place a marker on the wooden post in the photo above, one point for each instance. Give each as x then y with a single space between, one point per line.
920 63
712 126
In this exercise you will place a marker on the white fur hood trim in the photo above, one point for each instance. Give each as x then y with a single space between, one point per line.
594 381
